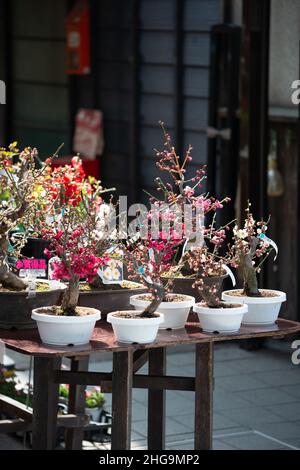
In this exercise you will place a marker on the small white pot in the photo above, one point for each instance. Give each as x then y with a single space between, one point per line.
223 320
94 413
65 330
135 330
175 313
261 310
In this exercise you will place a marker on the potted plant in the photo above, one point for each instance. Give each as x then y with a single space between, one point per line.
214 314
94 401
71 227
20 173
251 248
178 189
151 258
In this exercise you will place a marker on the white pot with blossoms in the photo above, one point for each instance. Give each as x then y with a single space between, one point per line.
250 249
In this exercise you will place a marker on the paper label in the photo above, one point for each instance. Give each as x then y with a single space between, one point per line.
112 272
2 352
270 242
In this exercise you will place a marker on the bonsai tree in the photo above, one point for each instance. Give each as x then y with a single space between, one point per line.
19 178
185 194
250 249
207 262
150 259
74 226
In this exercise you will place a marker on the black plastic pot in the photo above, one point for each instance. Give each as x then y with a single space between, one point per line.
15 307
183 285
109 300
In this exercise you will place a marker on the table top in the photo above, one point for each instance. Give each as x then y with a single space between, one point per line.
103 340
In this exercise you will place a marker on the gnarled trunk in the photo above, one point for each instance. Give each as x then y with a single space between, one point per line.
210 296
159 292
249 272
8 279
70 296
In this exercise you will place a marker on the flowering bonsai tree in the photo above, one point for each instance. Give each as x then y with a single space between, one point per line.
74 228
185 194
19 176
250 249
150 259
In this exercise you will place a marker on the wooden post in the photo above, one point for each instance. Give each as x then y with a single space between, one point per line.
156 401
45 403
76 405
121 400
204 396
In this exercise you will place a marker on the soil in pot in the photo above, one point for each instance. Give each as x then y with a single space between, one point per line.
134 315
168 298
57 311
263 293
16 306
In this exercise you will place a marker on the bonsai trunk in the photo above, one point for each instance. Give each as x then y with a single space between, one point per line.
249 277
211 298
70 297
8 279
153 306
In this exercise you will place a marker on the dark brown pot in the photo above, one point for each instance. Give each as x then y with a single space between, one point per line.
15 307
109 300
183 285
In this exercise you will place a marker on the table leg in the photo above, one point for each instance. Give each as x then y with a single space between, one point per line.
204 396
45 403
76 405
121 400
156 401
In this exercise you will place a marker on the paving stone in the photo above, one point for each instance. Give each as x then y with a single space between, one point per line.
285 377
227 401
252 441
266 396
293 390
287 411
220 445
239 382
250 416
284 430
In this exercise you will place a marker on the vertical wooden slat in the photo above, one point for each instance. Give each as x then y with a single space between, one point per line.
45 403
204 396
156 401
121 400
74 436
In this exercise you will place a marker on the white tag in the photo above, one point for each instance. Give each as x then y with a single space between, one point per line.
230 274
31 289
112 272
268 240
32 273
2 352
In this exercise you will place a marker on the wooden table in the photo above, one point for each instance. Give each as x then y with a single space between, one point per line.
127 360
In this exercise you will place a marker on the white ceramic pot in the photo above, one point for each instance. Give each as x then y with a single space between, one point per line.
223 320
65 330
261 310
135 330
175 313
94 413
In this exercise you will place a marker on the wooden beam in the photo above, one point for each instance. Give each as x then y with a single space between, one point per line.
156 401
140 358
121 400
204 396
15 408
139 381
63 421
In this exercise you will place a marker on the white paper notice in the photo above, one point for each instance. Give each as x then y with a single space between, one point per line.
2 352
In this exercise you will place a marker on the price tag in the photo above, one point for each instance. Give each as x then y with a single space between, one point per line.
112 272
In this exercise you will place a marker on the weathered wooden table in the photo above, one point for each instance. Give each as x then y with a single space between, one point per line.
127 360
